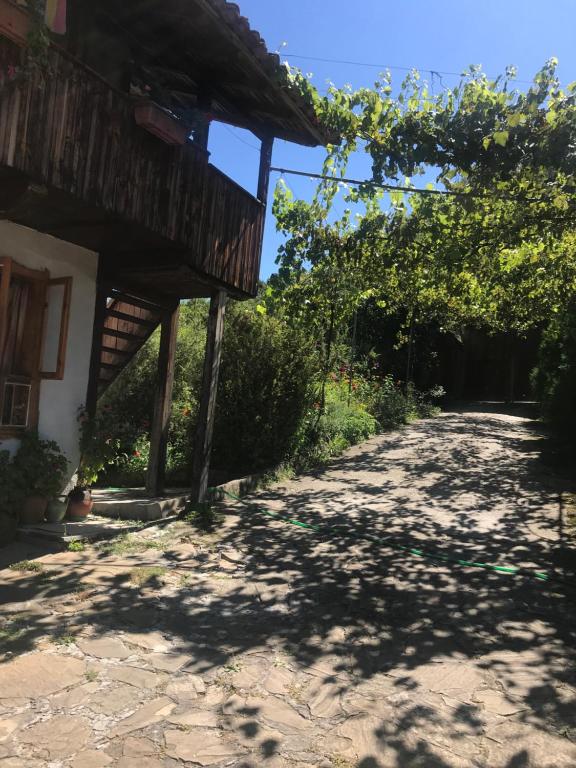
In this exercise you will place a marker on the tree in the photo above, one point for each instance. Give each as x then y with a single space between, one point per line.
496 250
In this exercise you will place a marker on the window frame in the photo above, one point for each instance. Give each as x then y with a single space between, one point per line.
39 279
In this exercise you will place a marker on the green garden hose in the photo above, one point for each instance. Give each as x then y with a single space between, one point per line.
510 569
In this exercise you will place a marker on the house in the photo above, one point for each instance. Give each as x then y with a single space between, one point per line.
110 209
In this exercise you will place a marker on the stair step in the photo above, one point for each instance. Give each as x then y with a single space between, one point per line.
138 302
123 335
119 308
114 351
131 318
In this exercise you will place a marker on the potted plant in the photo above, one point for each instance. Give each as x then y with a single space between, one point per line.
161 123
57 509
39 469
98 449
11 497
79 503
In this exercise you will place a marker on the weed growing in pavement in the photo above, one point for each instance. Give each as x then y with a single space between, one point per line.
27 566
146 574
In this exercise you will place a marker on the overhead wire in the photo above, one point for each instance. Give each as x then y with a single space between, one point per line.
240 138
374 65
406 189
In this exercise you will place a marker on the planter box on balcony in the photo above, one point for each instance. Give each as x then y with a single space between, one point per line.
160 123
14 22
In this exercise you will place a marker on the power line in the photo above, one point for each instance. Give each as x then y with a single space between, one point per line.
239 138
401 188
367 182
372 65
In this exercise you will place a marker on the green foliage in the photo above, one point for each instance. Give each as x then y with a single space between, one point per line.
205 517
76 546
11 492
482 131
499 254
100 444
355 410
149 575
27 566
266 387
554 379
39 467
270 410
326 434
390 405
63 640
130 404
340 426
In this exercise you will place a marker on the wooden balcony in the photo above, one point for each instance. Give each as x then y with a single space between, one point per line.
74 163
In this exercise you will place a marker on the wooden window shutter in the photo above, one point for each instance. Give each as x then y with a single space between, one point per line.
56 322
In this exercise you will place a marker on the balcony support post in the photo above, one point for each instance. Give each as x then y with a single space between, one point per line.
207 410
266 148
202 132
155 477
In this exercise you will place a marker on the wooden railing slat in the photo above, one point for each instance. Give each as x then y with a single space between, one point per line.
67 129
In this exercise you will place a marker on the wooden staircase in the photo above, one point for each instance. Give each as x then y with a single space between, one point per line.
128 322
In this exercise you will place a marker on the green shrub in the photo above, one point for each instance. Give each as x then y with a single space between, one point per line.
39 467
390 405
423 405
268 410
345 422
554 379
266 389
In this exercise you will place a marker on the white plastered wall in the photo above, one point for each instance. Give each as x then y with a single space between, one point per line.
60 400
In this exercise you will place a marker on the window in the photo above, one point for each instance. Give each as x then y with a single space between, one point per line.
31 307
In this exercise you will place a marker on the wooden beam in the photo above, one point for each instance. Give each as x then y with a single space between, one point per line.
155 477
266 148
202 132
264 170
102 291
205 425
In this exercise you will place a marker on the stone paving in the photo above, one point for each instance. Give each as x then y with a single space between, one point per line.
263 644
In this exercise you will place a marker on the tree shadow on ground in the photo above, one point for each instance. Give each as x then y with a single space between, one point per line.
424 656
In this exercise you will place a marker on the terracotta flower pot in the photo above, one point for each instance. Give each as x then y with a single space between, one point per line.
79 505
160 123
33 510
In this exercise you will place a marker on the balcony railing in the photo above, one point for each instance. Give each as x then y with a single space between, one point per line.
68 129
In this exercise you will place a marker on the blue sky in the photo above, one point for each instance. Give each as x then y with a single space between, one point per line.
445 35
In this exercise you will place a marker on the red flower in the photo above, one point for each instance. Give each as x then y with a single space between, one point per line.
137 454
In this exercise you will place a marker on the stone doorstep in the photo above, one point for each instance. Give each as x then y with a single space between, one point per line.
240 487
138 506
133 504
124 506
92 530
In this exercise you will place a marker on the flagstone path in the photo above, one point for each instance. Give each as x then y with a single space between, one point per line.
267 644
